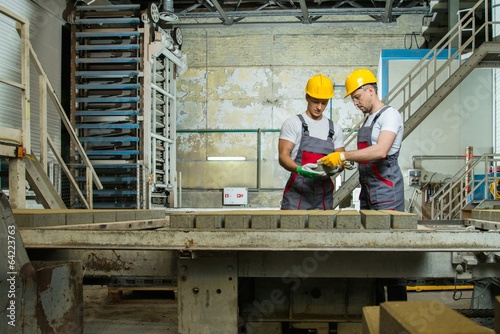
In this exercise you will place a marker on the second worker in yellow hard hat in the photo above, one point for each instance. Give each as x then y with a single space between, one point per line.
379 142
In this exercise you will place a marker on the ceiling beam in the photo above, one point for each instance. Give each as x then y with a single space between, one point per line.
375 12
388 11
305 13
225 18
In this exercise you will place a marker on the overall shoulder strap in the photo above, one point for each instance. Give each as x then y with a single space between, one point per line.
305 127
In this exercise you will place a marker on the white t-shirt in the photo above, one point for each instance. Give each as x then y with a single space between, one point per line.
390 120
291 130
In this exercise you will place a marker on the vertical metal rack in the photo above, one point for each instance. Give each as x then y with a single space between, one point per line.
124 105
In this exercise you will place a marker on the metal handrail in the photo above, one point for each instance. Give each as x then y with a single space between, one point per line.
46 87
410 88
464 187
426 77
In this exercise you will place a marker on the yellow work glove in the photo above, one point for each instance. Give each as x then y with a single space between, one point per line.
333 159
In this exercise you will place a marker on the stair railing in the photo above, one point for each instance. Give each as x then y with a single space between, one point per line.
45 88
427 75
423 80
466 186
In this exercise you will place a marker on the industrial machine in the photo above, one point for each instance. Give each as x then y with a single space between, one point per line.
272 271
123 106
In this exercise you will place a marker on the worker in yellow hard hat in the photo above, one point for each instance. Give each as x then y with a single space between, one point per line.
305 138
379 142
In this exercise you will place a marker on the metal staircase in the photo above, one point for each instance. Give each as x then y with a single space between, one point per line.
124 104
466 187
430 81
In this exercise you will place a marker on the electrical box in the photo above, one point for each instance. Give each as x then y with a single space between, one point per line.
413 177
235 196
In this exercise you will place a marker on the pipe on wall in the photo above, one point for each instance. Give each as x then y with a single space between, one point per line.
420 158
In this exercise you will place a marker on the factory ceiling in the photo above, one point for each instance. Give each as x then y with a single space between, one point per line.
226 13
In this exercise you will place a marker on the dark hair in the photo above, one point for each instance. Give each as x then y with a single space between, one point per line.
374 85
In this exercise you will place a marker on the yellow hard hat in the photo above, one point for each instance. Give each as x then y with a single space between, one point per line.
320 87
358 78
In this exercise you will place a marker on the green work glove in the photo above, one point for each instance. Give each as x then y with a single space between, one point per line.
333 159
308 170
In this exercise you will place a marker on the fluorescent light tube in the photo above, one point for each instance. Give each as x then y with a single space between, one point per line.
226 158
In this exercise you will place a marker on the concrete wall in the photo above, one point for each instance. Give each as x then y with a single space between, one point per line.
253 78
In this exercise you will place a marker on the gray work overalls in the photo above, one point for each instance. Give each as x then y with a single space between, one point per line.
303 193
381 180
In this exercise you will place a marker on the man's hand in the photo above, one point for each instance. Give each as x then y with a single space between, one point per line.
349 165
334 170
333 159
308 170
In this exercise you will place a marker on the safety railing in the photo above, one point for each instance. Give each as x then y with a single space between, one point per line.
45 89
477 180
412 94
409 94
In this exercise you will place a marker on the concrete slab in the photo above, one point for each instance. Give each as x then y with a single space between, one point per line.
348 219
491 215
402 220
263 220
430 317
182 220
150 214
39 217
209 221
237 221
371 320
293 219
372 219
79 217
127 215
104 216
322 219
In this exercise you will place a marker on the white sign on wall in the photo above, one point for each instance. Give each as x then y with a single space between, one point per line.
235 196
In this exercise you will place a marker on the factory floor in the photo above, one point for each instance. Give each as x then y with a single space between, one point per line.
153 313
146 313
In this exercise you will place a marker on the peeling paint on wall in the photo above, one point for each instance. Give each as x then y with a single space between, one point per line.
254 78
